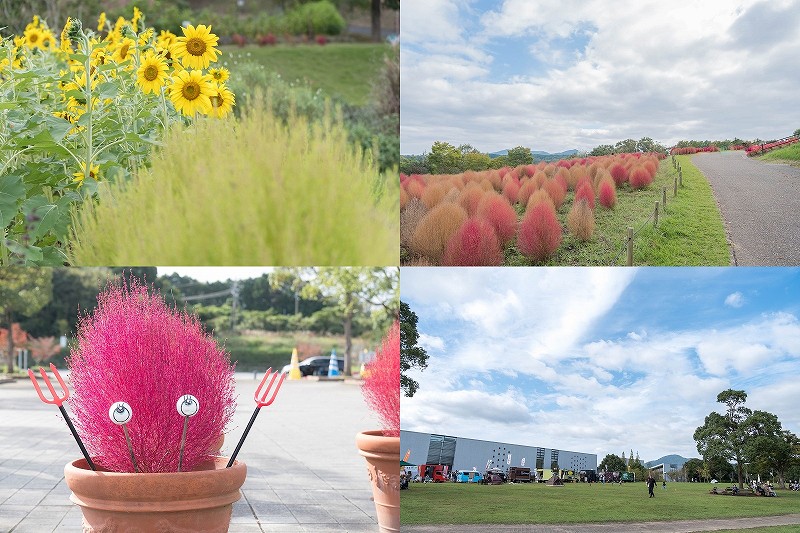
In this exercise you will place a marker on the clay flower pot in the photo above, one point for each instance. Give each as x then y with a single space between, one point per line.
383 465
197 501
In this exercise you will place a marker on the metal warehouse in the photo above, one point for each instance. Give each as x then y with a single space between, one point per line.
461 453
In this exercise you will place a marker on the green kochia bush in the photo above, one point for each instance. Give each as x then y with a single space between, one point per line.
243 192
315 18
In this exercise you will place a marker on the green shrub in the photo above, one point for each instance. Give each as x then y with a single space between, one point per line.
315 18
245 192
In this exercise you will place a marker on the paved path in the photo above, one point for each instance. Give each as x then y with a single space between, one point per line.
304 472
760 203
681 526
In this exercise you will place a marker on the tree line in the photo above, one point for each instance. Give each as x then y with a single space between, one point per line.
353 302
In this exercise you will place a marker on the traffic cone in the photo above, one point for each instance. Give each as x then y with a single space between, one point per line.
294 372
333 366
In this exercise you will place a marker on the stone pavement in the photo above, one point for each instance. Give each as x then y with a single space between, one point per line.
678 526
304 472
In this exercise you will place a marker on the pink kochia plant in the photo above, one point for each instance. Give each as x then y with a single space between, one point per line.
381 386
134 348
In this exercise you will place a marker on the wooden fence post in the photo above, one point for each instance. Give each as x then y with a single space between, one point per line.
664 198
680 176
675 187
655 215
630 246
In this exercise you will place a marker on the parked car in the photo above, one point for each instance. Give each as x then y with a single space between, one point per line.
315 366
468 476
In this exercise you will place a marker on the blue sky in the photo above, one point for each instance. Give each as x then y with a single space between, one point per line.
546 356
575 74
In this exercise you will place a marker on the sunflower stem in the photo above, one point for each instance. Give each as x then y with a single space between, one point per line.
87 92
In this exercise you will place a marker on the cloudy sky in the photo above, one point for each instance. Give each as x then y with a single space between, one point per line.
554 76
600 360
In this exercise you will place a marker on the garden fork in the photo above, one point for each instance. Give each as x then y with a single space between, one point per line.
261 401
59 401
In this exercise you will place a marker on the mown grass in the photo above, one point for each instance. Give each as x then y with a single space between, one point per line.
788 154
689 232
455 503
344 70
769 529
257 351
252 191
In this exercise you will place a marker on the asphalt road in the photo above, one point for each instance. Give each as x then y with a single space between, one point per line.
760 204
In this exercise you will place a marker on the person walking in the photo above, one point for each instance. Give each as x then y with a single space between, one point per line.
651 483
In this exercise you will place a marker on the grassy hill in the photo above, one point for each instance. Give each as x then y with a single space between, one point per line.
343 70
789 154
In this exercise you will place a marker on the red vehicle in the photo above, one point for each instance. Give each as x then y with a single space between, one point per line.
435 473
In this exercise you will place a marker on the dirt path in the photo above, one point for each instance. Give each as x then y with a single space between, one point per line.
760 204
679 526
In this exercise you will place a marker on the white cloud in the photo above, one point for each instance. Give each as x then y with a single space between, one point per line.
538 362
735 299
647 68
430 342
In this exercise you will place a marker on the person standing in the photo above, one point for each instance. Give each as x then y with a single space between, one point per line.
651 483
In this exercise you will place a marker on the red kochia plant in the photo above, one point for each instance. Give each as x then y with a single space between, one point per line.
607 193
640 177
619 173
381 388
539 232
586 193
133 348
496 209
475 243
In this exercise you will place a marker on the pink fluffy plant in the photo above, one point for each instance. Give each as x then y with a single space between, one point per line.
475 243
539 232
134 348
640 177
496 209
586 193
381 388
607 193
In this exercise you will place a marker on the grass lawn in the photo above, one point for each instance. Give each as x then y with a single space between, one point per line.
344 70
689 232
788 154
260 350
456 503
772 529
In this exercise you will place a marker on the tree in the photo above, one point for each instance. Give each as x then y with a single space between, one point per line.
692 468
411 355
23 291
444 158
499 162
728 436
603 149
646 144
356 290
43 348
796 133
519 156
626 146
774 453
612 463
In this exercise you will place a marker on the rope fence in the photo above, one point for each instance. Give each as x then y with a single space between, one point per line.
660 206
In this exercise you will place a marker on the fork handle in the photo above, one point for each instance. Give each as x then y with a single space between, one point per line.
77 438
244 435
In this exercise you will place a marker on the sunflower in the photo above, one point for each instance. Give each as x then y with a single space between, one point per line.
66 45
152 73
124 50
101 22
166 39
222 101
94 173
191 92
196 48
137 16
33 37
219 75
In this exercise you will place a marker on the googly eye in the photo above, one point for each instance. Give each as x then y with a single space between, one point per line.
187 405
120 413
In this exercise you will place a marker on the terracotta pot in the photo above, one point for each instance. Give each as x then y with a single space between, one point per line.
196 501
383 465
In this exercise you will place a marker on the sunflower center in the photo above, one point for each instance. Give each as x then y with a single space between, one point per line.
196 46
150 72
216 101
191 90
33 37
123 51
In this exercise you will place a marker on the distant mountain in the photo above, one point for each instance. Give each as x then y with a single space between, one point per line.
539 155
668 460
